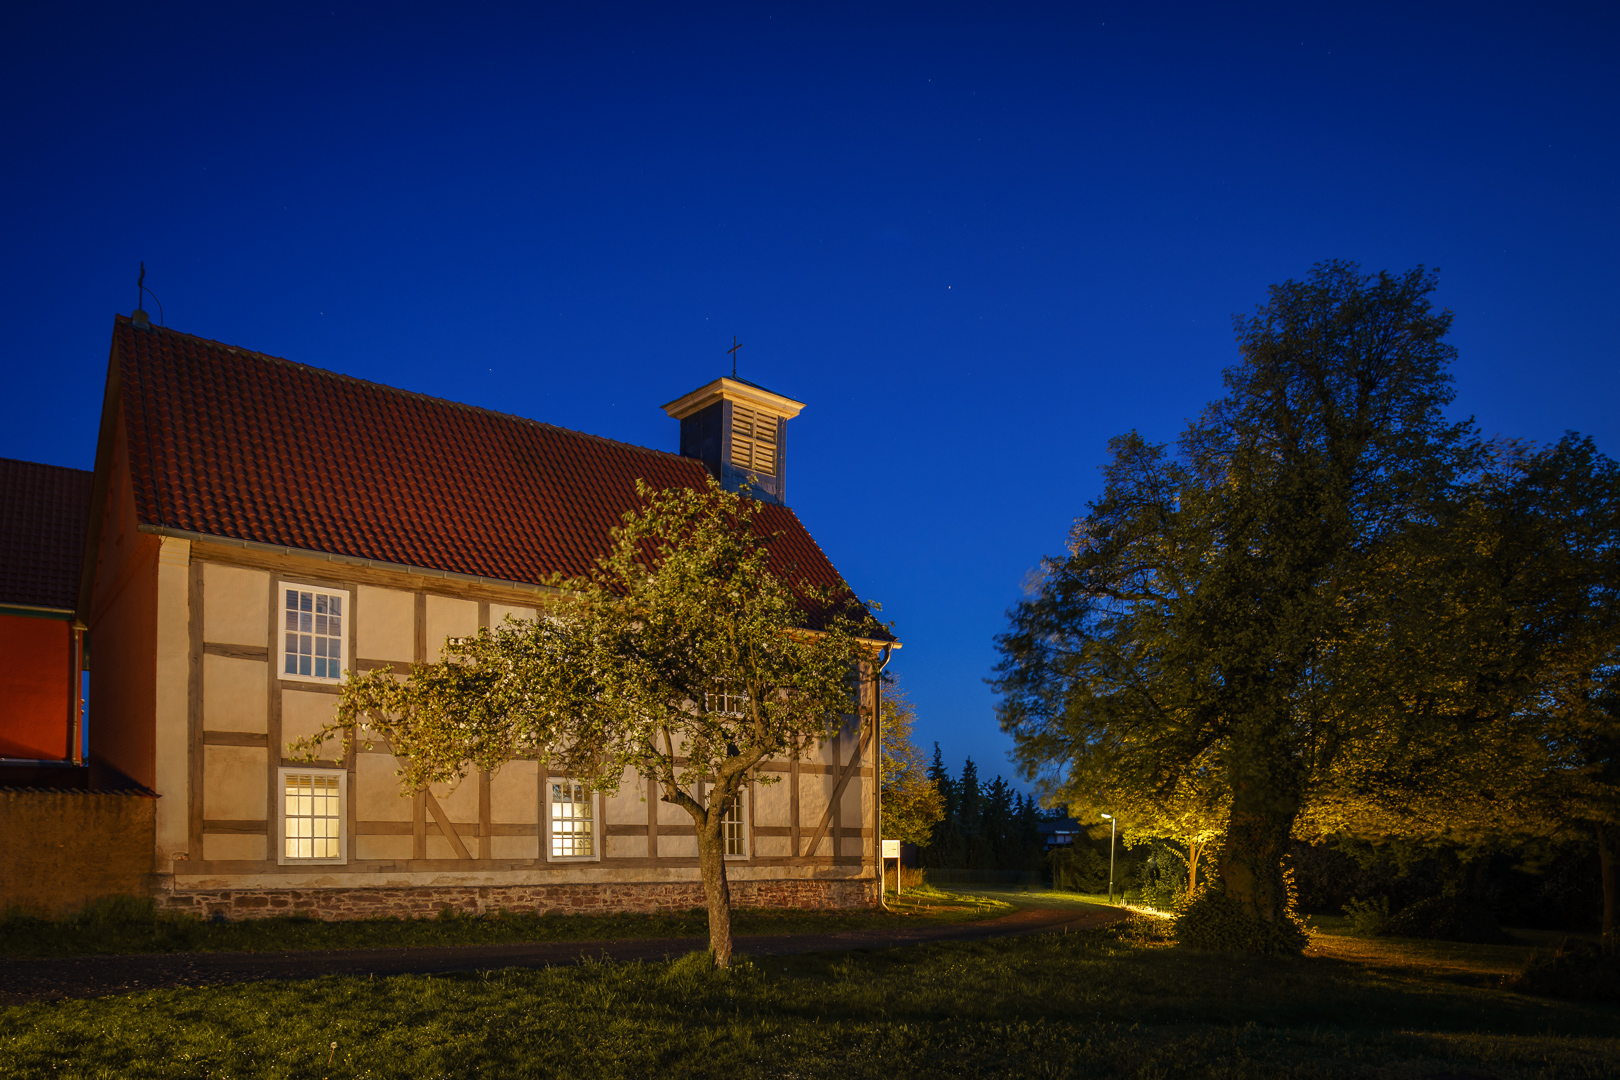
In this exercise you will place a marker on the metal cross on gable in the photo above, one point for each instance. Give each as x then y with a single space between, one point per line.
735 345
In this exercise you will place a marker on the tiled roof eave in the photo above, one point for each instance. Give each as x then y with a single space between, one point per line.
34 611
349 560
404 568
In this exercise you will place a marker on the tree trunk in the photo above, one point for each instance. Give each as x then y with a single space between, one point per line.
1608 859
716 892
1251 863
1195 852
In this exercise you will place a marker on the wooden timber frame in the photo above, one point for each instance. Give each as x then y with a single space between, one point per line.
815 848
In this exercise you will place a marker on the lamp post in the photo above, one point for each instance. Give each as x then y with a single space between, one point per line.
1112 832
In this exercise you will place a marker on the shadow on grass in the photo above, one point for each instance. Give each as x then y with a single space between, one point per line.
1118 1002
126 925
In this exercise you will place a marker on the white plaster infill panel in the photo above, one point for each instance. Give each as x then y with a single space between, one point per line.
773 803
172 772
233 783
499 612
373 846
243 846
378 793
628 805
235 605
448 618
385 624
233 691
459 799
520 847
303 713
514 794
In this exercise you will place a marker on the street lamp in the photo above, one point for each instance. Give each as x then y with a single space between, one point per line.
1112 832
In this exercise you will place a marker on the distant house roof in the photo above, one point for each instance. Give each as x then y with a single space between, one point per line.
43 510
231 443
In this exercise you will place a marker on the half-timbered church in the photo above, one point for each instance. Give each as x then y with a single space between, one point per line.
258 527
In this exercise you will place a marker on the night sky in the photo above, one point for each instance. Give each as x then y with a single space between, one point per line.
976 240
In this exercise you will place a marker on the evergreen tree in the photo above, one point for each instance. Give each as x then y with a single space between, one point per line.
998 826
946 850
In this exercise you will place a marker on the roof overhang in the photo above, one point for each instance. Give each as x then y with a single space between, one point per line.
34 611
724 389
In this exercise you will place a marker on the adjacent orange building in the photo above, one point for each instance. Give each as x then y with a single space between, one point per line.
43 510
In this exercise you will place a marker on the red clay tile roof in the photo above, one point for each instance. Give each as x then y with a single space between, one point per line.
232 443
43 510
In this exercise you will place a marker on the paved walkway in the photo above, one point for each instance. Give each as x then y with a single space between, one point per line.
55 978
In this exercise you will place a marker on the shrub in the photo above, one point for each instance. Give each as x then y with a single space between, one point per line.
1212 919
1078 868
1452 917
1579 972
1369 917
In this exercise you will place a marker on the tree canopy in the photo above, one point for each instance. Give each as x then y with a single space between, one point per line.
683 658
911 799
1222 617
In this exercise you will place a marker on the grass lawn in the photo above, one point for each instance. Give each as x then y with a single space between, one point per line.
1118 1002
131 927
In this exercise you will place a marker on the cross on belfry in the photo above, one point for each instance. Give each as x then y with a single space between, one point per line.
735 345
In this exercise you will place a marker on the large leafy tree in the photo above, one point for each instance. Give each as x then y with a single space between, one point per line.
1223 611
1514 739
684 658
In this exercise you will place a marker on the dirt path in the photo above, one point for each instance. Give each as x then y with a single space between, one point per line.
54 978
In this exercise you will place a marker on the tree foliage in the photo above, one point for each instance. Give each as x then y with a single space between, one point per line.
1222 619
911 800
1529 580
683 658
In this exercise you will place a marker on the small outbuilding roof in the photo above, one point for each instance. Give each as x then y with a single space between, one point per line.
43 511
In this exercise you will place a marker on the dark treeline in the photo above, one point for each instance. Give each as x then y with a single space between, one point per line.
987 826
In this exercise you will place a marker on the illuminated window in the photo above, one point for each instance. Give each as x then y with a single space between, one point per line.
734 828
573 821
753 439
312 818
726 702
312 632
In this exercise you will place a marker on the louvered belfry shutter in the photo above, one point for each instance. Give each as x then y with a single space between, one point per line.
753 440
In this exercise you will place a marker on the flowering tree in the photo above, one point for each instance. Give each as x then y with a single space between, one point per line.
684 657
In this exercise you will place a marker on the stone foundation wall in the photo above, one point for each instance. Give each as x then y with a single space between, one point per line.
537 899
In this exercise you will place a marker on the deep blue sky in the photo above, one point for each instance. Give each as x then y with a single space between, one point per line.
977 240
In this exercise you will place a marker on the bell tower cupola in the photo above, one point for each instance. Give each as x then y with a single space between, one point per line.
739 430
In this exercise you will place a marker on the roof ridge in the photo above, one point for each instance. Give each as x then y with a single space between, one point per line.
328 373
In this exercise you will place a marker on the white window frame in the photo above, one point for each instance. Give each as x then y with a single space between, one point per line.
594 799
724 702
281 631
742 807
281 816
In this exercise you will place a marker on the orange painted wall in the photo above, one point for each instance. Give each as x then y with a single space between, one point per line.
36 687
123 633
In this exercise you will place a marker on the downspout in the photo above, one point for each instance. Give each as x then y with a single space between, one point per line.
877 774
75 747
